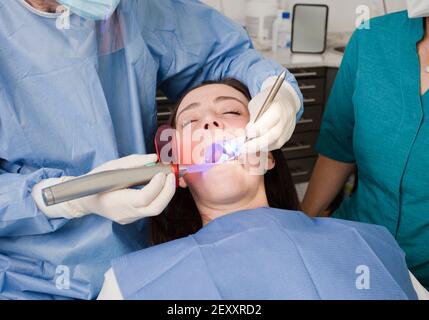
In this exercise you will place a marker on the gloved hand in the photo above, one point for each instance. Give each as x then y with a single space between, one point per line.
122 206
275 127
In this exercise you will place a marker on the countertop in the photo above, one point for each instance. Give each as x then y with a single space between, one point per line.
330 58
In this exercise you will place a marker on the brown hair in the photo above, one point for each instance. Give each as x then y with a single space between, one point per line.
181 218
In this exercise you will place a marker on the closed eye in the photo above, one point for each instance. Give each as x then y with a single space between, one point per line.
185 123
233 112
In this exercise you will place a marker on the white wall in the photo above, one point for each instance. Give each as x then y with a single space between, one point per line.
396 5
342 12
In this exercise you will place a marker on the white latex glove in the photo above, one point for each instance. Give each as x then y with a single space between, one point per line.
276 126
122 206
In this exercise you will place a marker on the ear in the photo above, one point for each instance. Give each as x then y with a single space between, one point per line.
182 183
271 161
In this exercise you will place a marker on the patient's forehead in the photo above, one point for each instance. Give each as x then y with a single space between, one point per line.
209 93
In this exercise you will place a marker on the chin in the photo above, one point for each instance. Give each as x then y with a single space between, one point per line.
224 183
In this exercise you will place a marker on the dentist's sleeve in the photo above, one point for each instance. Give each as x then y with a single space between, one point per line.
337 130
19 214
195 43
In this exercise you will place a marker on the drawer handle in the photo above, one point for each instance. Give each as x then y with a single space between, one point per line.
309 100
300 173
164 114
297 148
161 99
305 121
305 74
308 87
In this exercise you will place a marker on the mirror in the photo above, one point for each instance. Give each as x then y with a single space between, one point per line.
309 28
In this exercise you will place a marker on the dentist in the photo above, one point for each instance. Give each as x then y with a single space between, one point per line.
78 83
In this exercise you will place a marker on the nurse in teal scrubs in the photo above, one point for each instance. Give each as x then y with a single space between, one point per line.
377 122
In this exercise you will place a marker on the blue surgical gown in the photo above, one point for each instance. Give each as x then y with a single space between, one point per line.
377 119
269 253
72 99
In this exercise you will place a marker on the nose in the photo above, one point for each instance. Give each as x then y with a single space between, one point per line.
213 124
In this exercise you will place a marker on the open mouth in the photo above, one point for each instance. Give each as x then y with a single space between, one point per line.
222 151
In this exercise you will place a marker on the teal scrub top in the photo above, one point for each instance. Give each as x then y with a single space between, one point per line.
377 119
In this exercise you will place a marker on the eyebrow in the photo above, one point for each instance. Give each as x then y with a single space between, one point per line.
218 99
223 98
190 107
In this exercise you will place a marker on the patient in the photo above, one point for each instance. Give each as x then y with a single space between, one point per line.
230 234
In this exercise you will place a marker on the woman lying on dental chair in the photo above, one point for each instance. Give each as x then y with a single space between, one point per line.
232 234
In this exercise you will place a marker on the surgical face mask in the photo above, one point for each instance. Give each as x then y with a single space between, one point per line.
418 8
92 9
